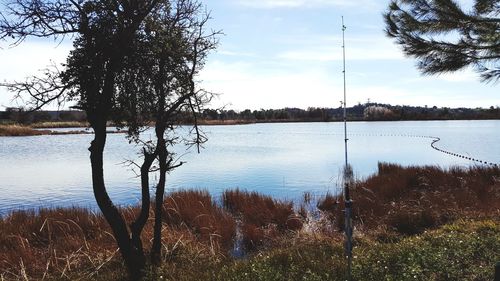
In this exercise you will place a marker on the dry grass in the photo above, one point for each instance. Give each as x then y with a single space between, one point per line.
63 244
18 131
328 203
52 242
224 122
258 209
263 217
69 243
196 211
23 131
410 200
60 124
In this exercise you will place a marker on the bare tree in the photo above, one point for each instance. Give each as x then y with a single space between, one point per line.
174 48
132 61
177 93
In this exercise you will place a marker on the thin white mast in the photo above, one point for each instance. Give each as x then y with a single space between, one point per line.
347 171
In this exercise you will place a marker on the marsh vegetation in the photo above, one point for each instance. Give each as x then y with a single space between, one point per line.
423 223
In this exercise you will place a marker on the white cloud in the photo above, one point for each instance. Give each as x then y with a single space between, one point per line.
30 57
380 94
459 76
267 4
236 54
243 86
251 85
463 76
26 60
417 96
357 48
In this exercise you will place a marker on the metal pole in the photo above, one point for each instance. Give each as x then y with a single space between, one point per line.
497 272
347 172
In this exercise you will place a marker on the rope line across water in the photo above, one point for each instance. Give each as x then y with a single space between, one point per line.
433 145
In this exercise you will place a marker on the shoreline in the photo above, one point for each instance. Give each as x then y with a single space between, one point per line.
37 129
26 131
283 238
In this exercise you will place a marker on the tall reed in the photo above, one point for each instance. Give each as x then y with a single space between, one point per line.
195 210
18 131
412 199
263 217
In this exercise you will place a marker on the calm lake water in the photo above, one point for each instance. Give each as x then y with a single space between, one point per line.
283 160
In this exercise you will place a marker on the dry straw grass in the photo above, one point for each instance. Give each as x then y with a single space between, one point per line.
52 242
263 217
410 200
60 124
224 122
63 244
194 210
18 131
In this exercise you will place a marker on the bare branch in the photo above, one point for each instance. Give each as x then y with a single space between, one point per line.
42 90
26 18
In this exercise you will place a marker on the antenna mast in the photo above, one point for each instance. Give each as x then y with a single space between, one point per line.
347 172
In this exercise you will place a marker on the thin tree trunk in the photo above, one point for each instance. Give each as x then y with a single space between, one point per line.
131 256
162 159
138 225
159 197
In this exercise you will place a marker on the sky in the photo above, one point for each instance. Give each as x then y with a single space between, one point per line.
288 53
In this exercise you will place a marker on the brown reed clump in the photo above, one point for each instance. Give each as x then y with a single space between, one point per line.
225 122
195 210
60 124
410 200
328 203
65 243
262 216
52 241
19 131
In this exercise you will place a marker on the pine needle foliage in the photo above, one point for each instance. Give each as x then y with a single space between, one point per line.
445 36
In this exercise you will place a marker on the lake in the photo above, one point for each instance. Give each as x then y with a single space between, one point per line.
280 159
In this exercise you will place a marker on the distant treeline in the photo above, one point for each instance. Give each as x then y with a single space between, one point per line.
21 116
359 112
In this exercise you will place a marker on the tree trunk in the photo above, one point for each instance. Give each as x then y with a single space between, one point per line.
131 256
138 225
159 197
162 159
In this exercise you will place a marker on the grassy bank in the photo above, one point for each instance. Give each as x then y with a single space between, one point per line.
409 200
16 130
464 250
415 223
20 131
24 131
59 124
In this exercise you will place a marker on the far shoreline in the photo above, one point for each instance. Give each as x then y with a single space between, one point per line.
38 129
